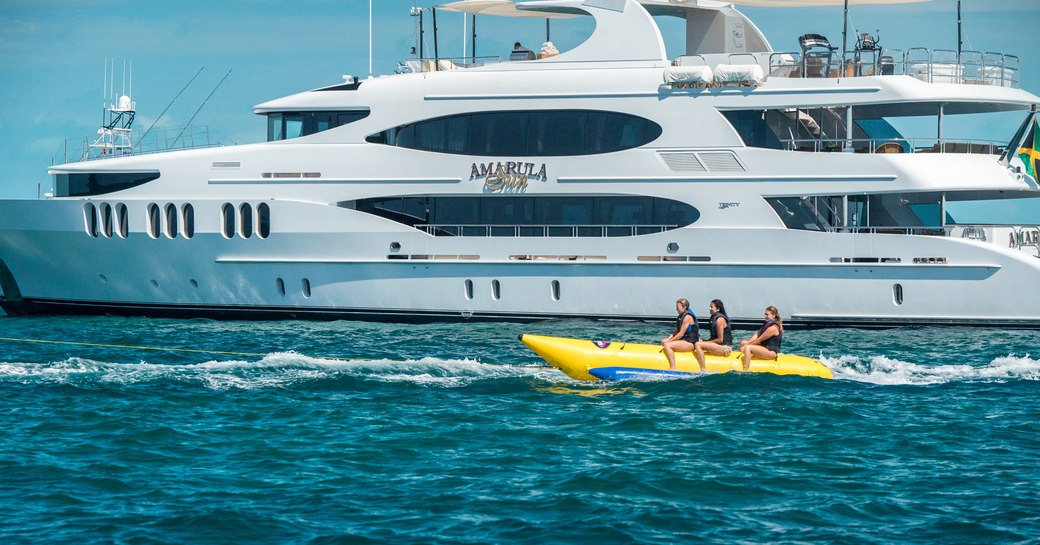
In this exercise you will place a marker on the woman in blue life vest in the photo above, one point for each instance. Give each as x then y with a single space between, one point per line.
721 336
765 344
685 335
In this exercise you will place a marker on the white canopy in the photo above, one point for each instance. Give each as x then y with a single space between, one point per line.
506 8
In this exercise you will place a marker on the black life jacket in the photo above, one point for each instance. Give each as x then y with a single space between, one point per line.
727 333
772 343
691 335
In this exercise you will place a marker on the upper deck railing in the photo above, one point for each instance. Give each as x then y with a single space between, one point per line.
896 145
157 140
929 65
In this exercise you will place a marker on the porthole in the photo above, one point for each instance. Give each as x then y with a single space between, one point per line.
246 221
263 220
556 290
194 283
227 223
469 290
897 294
188 220
154 283
153 220
90 221
122 220
280 284
496 290
306 288
171 220
106 219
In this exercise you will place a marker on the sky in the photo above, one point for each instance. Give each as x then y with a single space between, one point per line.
52 57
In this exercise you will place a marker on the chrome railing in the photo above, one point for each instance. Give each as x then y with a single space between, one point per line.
930 65
516 231
159 139
897 145
428 64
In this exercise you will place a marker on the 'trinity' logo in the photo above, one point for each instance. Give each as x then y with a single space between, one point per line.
507 177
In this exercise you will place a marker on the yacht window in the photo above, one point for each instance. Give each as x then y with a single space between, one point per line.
545 133
753 129
246 221
123 219
106 219
263 220
283 125
153 220
90 219
227 213
293 125
171 220
87 184
528 215
188 211
274 127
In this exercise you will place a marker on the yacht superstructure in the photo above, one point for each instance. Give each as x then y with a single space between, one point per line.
605 181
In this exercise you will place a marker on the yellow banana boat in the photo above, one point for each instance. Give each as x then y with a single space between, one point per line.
597 360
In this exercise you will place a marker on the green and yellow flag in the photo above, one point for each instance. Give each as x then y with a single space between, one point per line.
1031 155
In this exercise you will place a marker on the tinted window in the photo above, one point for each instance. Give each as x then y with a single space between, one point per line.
546 133
263 220
98 183
246 223
189 220
124 220
153 220
283 125
227 225
621 215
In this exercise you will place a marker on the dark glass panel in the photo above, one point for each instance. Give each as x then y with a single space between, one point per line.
99 183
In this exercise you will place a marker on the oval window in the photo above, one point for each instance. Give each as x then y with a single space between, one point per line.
188 223
122 220
227 223
90 221
246 221
153 220
263 220
171 220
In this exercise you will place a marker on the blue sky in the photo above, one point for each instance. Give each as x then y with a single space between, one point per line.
52 56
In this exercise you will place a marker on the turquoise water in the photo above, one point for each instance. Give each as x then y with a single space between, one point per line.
451 433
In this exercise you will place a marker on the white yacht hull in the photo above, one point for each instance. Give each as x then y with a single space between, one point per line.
65 271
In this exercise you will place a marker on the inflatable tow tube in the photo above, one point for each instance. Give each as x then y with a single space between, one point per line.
598 360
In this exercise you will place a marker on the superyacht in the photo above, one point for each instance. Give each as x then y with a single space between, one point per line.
604 181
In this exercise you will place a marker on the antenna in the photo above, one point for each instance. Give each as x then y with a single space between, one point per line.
370 38
200 108
170 104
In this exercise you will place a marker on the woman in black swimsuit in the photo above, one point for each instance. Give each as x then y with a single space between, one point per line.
765 344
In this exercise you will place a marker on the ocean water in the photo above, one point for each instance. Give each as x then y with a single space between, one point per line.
352 432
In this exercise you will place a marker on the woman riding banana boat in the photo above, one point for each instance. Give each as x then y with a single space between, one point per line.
681 354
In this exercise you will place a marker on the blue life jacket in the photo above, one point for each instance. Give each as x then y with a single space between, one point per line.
772 343
727 332
691 335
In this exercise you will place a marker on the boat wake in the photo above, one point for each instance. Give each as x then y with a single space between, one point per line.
277 370
887 371
289 369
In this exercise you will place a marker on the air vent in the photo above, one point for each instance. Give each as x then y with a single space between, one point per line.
683 162
720 161
226 164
